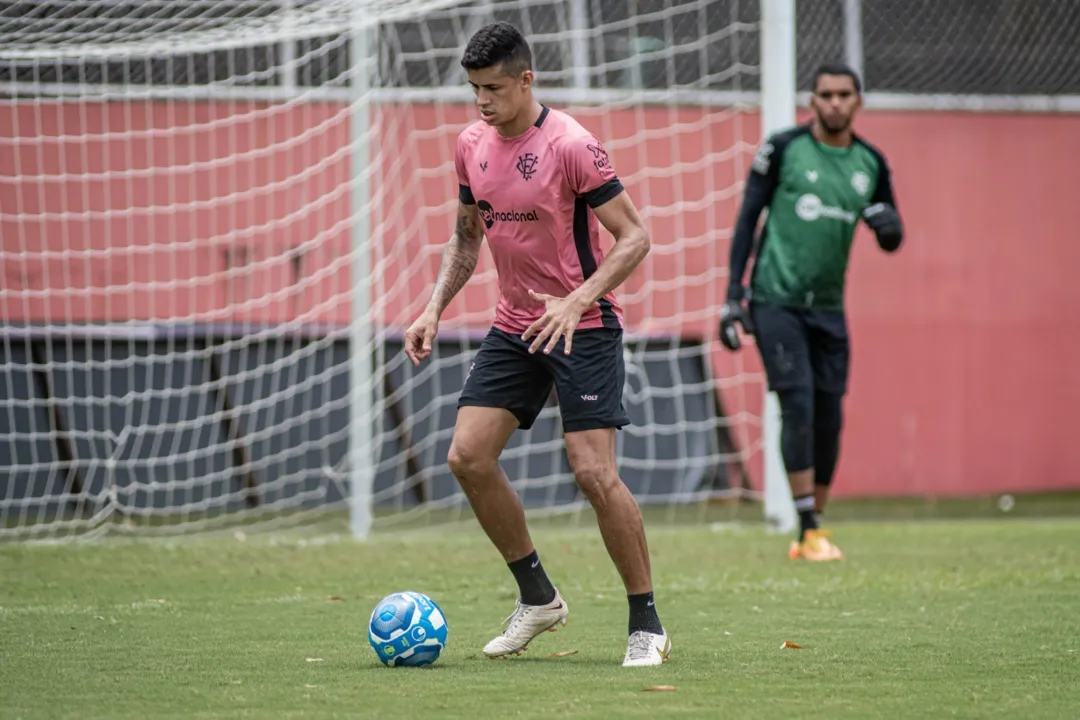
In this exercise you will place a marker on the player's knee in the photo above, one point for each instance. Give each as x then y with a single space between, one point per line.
797 431
467 462
596 478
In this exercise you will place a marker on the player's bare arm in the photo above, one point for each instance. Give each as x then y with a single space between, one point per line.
562 315
459 259
458 263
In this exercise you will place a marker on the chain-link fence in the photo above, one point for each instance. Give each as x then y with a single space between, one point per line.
1007 47
989 47
986 47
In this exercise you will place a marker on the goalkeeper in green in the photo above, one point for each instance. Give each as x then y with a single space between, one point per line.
817 180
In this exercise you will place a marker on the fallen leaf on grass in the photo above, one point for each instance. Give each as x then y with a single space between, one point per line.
564 653
314 659
661 688
789 644
335 598
311 686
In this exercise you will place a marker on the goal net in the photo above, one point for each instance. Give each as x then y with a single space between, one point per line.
219 217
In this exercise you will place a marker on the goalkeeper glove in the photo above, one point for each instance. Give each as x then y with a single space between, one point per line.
733 312
883 219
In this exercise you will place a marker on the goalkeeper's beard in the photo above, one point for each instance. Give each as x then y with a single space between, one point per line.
840 126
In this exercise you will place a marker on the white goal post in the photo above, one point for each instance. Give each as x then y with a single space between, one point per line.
362 455
778 91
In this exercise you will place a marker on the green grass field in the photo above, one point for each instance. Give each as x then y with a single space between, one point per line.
963 618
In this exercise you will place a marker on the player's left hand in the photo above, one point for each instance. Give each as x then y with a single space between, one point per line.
883 219
560 320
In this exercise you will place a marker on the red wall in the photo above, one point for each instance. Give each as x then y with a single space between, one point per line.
963 342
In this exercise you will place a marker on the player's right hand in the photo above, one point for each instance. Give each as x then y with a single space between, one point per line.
731 313
420 335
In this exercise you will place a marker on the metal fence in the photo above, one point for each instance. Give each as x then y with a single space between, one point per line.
987 47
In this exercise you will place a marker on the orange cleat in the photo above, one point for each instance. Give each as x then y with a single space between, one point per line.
815 547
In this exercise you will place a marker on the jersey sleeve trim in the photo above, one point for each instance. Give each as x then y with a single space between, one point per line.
761 184
883 190
770 155
598 196
465 196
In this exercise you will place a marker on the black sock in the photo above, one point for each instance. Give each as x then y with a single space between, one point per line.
643 614
533 583
807 517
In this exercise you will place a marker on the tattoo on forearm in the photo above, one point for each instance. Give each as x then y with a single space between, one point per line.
467 228
457 268
459 261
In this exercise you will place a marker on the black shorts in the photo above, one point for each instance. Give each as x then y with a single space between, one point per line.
802 348
588 383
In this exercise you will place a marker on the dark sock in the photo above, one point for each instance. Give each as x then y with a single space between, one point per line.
807 517
533 583
643 614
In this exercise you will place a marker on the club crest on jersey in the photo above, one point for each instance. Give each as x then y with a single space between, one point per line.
861 182
490 215
526 165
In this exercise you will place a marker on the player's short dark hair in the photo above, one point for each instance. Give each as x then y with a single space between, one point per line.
499 43
837 69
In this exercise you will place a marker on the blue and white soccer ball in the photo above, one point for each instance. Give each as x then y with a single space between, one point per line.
407 628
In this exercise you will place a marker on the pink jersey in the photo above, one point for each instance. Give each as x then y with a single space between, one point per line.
534 192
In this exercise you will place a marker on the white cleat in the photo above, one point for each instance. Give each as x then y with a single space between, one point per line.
525 623
646 648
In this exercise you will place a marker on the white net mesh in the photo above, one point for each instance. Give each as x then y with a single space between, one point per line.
184 182
178 230
83 29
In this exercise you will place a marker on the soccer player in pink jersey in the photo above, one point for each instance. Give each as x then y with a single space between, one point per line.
538 186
